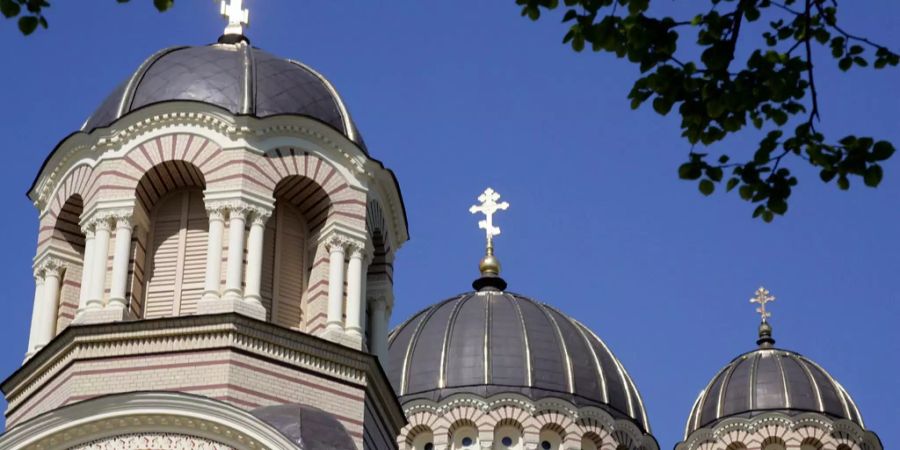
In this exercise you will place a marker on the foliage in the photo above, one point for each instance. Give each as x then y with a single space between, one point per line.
30 13
716 98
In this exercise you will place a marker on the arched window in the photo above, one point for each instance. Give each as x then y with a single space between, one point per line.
423 440
773 444
68 239
170 241
550 440
507 436
465 438
176 257
591 441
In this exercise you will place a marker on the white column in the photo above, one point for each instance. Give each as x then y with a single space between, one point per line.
254 257
121 257
36 313
214 254
98 264
86 265
235 264
378 334
356 306
335 248
50 308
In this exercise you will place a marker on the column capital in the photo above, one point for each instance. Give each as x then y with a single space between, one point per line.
360 249
335 242
50 267
259 216
105 219
236 207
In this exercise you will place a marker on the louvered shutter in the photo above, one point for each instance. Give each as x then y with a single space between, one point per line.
177 258
284 276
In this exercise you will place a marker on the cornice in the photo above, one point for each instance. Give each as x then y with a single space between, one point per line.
196 332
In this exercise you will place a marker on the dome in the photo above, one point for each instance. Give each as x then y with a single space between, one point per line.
307 427
237 77
491 342
771 380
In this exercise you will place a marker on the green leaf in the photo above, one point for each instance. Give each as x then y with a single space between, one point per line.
689 171
882 150
662 105
162 5
843 183
746 192
9 8
27 24
873 175
778 206
707 187
732 183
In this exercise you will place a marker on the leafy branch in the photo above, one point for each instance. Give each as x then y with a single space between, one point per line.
769 93
29 14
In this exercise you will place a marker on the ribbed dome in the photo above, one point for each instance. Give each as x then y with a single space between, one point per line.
768 380
492 342
237 77
307 427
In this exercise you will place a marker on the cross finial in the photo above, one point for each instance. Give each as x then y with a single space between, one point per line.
488 207
237 16
762 297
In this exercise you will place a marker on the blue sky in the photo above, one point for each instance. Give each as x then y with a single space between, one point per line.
455 96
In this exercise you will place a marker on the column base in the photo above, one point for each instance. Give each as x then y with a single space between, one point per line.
102 315
227 305
340 336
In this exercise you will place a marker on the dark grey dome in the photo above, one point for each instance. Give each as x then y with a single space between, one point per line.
492 342
771 380
237 77
307 427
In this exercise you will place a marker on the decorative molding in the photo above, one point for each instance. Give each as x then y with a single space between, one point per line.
154 440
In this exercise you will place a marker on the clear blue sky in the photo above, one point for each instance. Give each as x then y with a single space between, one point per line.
454 96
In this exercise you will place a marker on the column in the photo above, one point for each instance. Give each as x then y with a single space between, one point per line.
36 312
214 253
254 256
121 258
98 264
335 247
50 308
356 302
86 264
233 270
378 332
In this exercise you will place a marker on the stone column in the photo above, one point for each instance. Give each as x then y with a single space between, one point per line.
214 253
335 246
121 258
86 265
236 219
254 257
36 313
98 264
356 301
49 310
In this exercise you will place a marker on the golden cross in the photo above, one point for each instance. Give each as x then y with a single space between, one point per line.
762 297
237 16
488 207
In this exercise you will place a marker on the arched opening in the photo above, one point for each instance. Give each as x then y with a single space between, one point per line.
773 443
550 439
810 444
67 239
464 436
591 441
174 240
301 208
508 436
423 440
736 446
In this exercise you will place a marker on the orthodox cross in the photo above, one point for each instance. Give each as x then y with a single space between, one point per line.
237 16
762 297
488 207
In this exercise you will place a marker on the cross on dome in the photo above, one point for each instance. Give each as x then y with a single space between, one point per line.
762 297
488 207
237 16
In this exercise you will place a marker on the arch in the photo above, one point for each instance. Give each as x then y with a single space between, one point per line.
146 413
551 437
811 443
508 434
170 240
464 435
419 438
68 240
773 443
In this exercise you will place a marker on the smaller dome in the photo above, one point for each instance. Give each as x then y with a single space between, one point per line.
771 380
307 427
491 342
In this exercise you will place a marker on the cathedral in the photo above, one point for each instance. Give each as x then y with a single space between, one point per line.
214 270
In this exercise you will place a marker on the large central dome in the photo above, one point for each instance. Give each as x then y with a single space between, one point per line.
491 342
237 77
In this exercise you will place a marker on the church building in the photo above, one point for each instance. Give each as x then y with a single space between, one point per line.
214 270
